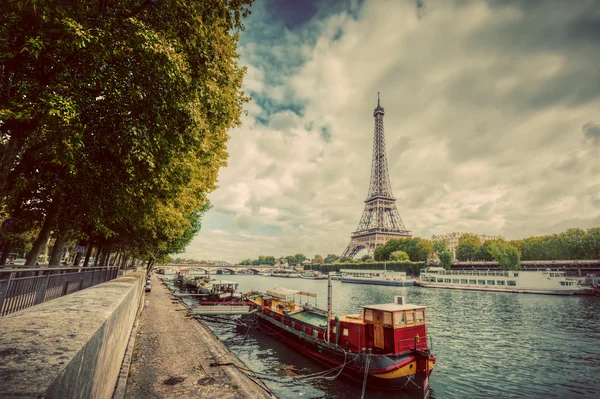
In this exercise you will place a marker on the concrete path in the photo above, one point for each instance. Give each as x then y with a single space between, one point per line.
172 356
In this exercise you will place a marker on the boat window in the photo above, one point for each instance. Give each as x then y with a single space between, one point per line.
334 330
512 283
446 280
463 281
293 324
471 281
387 318
315 333
501 282
399 318
516 274
455 280
420 316
481 282
345 332
563 283
491 282
410 317
368 315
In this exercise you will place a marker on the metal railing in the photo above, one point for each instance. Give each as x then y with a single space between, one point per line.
21 288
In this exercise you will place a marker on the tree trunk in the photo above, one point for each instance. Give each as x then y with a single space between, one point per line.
57 251
88 254
106 257
78 255
9 152
5 252
124 262
99 253
42 239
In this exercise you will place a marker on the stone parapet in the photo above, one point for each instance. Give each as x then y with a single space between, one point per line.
70 347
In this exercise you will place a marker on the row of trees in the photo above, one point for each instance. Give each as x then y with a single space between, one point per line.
113 122
571 244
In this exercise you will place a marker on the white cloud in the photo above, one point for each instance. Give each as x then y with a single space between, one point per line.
491 126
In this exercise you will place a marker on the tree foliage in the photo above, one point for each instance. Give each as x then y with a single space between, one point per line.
507 255
571 244
418 249
114 117
468 247
399 256
446 259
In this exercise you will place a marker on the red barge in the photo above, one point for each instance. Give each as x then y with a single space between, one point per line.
386 346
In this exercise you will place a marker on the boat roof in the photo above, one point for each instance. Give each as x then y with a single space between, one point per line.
392 307
282 292
223 282
310 318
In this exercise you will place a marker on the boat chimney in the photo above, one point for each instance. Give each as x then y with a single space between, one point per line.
399 300
329 307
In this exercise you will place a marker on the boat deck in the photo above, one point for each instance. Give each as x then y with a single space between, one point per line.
313 319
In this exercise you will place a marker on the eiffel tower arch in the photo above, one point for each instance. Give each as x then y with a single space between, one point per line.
380 220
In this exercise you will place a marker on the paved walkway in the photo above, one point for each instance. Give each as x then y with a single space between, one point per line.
172 356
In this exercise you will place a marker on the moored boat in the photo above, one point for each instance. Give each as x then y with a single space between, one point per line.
285 273
385 346
378 277
529 282
312 275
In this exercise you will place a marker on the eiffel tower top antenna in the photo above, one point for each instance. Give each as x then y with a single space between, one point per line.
378 99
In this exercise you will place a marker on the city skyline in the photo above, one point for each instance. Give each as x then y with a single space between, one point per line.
491 123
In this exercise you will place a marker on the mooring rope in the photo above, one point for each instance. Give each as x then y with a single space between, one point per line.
364 387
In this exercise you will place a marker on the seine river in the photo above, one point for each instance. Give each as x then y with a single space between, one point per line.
495 345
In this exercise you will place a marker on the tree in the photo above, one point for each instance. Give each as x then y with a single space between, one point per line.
446 259
122 158
439 246
468 246
484 252
318 259
399 256
418 249
290 260
299 259
365 258
331 258
507 255
593 243
575 242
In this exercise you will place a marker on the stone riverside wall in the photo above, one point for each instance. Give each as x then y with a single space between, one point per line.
70 347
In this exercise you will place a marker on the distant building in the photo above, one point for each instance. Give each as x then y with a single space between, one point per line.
452 240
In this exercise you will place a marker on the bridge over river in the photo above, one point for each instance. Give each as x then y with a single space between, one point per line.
232 269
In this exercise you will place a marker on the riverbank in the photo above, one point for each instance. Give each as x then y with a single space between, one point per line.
178 357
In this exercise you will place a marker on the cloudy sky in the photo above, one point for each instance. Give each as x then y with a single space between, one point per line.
492 122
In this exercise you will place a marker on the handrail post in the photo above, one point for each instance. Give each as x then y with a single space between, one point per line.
4 290
65 284
41 293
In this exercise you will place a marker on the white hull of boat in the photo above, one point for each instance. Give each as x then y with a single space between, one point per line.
498 289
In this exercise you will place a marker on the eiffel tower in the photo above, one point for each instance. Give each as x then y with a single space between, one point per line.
380 220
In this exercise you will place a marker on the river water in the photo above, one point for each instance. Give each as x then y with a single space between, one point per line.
495 345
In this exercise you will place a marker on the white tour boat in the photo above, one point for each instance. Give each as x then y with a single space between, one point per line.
378 277
530 282
285 273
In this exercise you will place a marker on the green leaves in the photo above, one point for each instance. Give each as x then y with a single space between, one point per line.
125 110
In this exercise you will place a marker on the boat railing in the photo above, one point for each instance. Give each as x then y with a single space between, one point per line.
419 343
501 273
